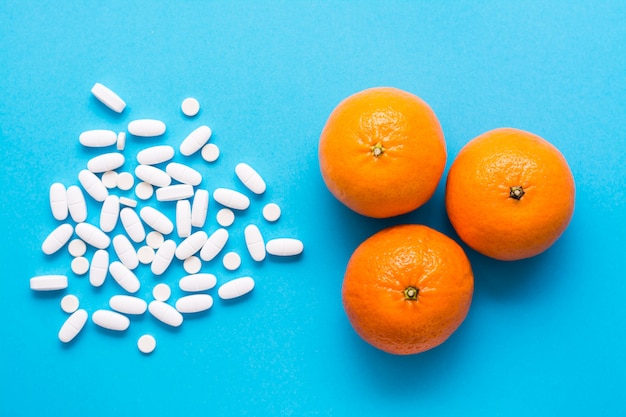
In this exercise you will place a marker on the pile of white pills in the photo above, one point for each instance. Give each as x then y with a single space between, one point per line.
149 236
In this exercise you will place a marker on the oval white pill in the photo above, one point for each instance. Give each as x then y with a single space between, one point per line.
254 242
146 343
77 248
128 304
210 152
214 244
155 155
199 208
194 303
153 175
110 213
144 190
109 179
48 282
174 192
124 277
197 282
128 202
271 212
125 181
146 128
121 141
154 239
183 173
99 268
92 184
250 178
80 265
58 201
192 265
57 238
190 107
92 235
161 292
195 140
98 138
165 313
225 217
156 220
191 245
183 218
72 326
125 251
70 303
132 224
107 97
231 261
284 247
235 288
76 204
231 198
163 257
105 162
110 320
145 254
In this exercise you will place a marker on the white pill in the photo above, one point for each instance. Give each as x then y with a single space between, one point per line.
77 248
58 201
145 254
105 162
99 268
132 224
124 277
129 202
194 303
70 303
110 213
92 184
98 138
214 244
190 107
183 173
154 239
192 265
92 235
72 326
153 175
196 140
250 178
125 251
165 313
57 239
231 261
110 320
163 257
183 218
128 304
197 282
254 242
155 155
161 292
156 220
235 288
199 208
271 212
225 217
191 245
109 179
76 204
125 181
108 97
210 152
146 343
146 128
144 190
80 265
284 247
121 141
174 192
231 198
48 283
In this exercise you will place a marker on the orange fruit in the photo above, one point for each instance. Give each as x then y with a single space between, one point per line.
509 194
382 152
407 289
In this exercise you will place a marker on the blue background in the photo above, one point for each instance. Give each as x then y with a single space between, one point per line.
545 336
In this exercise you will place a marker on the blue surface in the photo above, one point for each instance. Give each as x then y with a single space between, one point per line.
544 336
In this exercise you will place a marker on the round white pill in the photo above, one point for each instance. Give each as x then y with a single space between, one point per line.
69 303
80 265
190 107
225 217
231 261
109 179
77 248
192 265
125 181
144 190
121 141
145 254
210 152
155 239
161 292
146 343
271 212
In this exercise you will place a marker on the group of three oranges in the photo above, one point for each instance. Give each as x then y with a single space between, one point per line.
509 195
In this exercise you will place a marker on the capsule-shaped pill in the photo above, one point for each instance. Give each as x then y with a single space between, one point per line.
163 257
110 213
146 128
183 218
156 220
99 267
196 140
194 303
92 184
124 277
108 97
76 204
125 251
98 138
48 283
284 247
183 173
231 198
153 175
132 224
110 320
92 235
235 288
174 192
105 162
155 155
72 326
254 242
250 178
191 245
57 239
197 282
128 304
214 244
58 201
165 313
199 208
